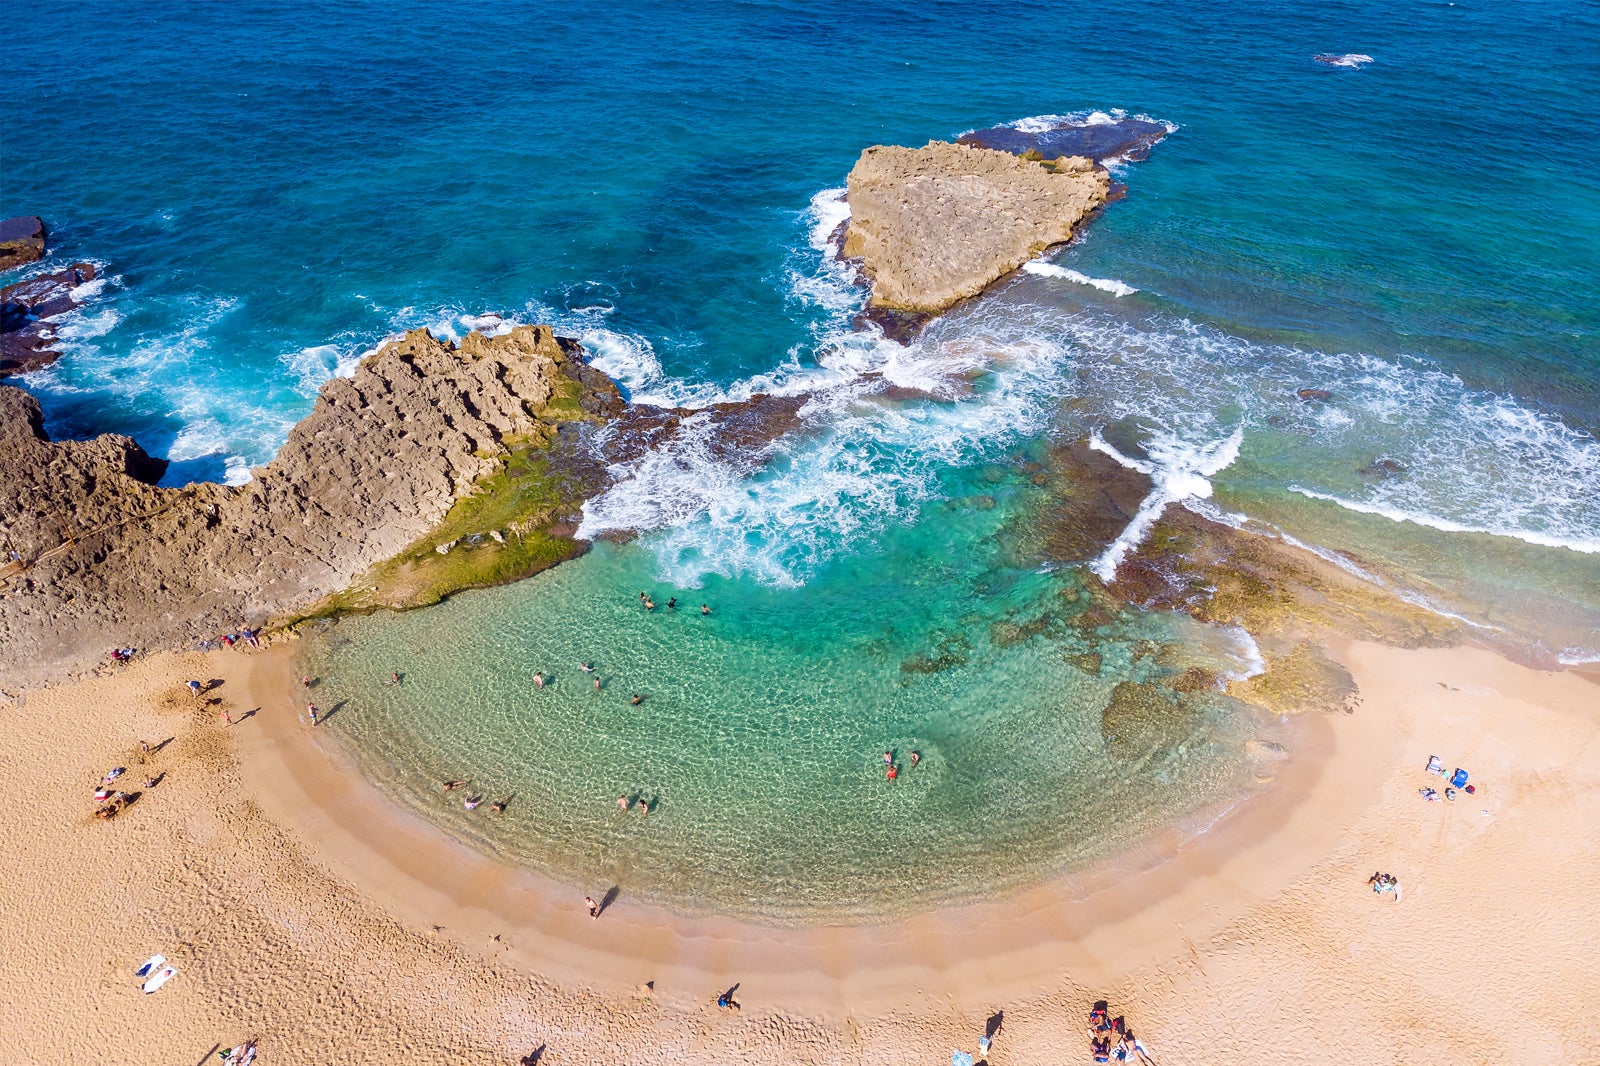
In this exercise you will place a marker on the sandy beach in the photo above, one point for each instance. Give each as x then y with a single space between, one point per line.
303 909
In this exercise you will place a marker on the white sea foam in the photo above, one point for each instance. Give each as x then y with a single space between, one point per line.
1246 653
1400 514
85 324
857 464
1179 470
1576 656
1353 60
1046 269
313 366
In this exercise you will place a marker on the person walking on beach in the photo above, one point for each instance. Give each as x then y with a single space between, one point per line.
227 716
194 688
311 710
593 907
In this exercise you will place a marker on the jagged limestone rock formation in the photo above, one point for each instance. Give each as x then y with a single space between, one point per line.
935 225
107 558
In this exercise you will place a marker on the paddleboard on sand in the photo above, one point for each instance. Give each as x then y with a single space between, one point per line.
161 977
151 965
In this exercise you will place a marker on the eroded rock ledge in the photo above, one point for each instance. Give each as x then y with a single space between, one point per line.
384 459
935 225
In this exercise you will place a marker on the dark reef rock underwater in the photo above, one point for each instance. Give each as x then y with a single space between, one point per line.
21 241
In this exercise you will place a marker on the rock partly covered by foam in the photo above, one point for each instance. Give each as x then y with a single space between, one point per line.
110 559
27 309
21 240
935 225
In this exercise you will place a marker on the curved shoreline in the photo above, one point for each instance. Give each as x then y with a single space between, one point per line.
1098 925
231 869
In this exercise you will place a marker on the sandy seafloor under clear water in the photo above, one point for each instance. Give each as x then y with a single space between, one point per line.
274 190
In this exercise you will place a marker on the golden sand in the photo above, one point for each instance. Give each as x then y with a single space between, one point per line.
303 909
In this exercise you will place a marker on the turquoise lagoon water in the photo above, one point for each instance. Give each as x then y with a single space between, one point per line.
273 189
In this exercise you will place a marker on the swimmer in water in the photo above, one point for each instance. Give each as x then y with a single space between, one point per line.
622 801
916 757
637 699
587 668
597 684
644 806
499 807
888 758
704 609
673 603
471 802
892 773
649 605
450 786
538 679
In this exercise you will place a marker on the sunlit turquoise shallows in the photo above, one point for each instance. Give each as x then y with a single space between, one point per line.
759 742
273 189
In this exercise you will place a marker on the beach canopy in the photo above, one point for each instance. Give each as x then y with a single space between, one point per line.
960 1058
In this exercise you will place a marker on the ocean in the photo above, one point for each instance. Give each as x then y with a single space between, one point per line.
273 189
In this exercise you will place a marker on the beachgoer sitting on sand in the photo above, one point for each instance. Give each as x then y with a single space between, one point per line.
1428 794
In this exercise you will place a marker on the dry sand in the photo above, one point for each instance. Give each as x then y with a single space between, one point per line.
304 910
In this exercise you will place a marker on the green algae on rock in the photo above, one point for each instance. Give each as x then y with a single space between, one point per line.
425 437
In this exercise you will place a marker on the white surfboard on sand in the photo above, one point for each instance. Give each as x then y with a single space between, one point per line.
151 965
159 978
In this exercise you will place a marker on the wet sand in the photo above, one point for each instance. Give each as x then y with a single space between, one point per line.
302 907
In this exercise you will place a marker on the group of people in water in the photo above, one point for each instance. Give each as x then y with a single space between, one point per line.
472 802
892 770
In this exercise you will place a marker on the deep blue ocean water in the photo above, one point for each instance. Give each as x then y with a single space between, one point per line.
273 189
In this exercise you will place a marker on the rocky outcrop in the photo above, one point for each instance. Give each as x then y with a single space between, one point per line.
936 225
25 312
21 240
107 558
